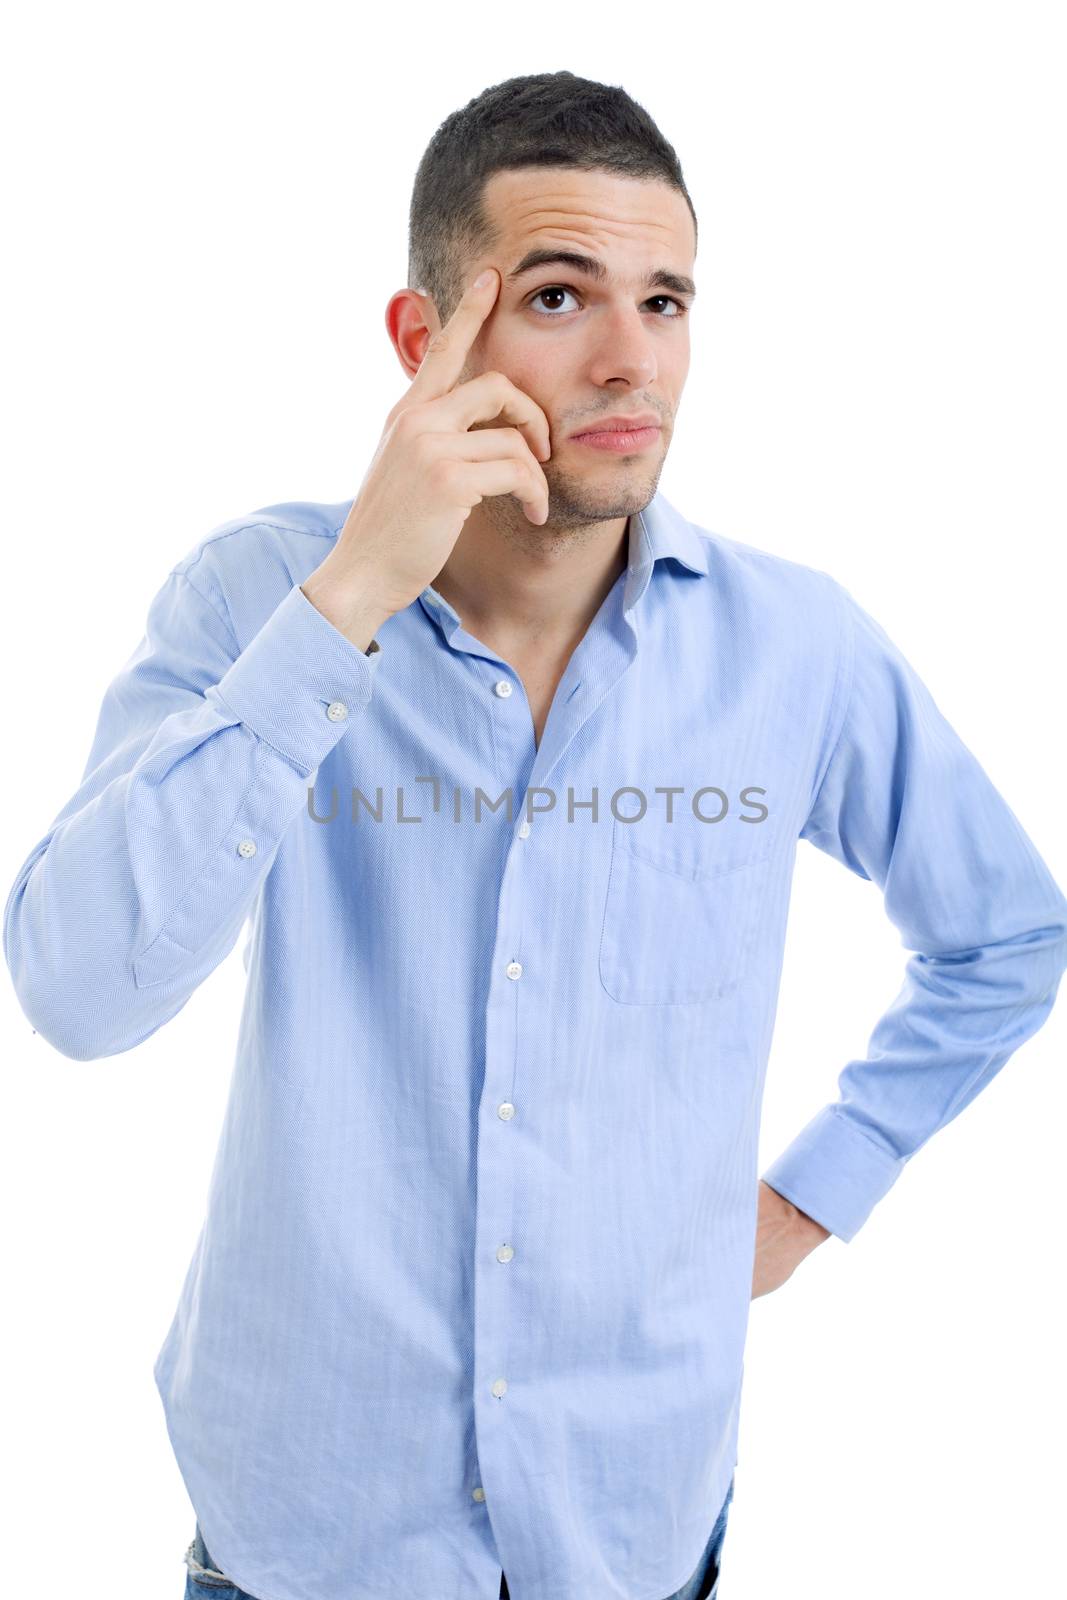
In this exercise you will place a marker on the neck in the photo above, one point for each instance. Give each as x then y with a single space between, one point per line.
532 584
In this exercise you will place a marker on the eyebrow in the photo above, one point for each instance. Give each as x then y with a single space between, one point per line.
661 278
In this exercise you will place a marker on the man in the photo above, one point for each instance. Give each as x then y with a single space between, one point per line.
505 761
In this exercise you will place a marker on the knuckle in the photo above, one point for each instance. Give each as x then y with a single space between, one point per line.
407 422
437 343
422 445
441 471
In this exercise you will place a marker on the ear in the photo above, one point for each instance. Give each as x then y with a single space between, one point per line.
411 321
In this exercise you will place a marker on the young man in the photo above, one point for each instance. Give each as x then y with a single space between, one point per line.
506 762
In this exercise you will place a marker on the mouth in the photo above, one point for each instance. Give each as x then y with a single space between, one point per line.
623 441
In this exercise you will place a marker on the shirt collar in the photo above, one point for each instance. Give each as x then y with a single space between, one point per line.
656 532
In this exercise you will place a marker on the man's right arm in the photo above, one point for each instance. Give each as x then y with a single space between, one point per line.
199 765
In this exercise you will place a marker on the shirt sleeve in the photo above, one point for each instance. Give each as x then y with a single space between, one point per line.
905 803
199 765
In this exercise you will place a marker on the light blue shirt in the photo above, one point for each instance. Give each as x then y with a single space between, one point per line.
473 1285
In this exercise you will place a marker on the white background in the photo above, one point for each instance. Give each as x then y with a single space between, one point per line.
206 213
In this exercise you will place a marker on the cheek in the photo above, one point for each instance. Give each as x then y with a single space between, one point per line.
535 370
535 364
679 370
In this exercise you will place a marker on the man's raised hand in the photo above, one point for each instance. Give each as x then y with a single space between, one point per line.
431 467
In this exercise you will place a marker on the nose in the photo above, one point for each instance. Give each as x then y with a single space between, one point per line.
626 350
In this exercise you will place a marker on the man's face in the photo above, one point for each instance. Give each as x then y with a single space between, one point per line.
586 349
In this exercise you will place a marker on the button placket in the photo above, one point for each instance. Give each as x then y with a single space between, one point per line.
511 750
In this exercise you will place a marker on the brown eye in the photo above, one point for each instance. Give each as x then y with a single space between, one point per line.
554 289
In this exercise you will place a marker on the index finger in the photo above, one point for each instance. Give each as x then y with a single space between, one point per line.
448 349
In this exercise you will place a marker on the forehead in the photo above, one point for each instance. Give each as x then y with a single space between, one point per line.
602 211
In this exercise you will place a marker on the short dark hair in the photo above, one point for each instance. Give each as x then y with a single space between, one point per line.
546 119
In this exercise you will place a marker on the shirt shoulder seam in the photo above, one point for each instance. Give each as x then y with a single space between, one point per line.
207 600
844 674
186 566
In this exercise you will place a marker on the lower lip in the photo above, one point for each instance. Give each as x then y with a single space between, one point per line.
621 443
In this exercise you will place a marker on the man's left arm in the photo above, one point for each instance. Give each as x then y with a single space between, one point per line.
903 802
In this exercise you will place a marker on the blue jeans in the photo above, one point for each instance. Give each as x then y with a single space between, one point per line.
205 1582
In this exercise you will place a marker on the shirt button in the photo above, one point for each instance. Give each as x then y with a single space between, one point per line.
337 711
514 969
478 1494
500 1386
505 1111
524 829
503 688
247 847
505 1253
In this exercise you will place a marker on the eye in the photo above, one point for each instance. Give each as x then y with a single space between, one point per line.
553 290
680 308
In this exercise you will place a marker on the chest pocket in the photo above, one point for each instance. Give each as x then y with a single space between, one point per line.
682 910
